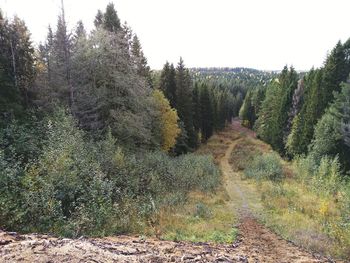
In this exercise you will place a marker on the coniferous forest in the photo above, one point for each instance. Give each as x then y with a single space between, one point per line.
87 132
94 142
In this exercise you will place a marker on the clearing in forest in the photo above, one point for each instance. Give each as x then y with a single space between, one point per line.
228 217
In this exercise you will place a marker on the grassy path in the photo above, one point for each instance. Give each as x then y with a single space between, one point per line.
257 242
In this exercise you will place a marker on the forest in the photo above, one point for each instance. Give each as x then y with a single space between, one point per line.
305 114
93 142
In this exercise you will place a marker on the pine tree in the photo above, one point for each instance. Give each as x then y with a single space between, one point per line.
206 113
98 19
184 105
197 111
61 63
9 94
80 30
110 93
23 58
331 135
319 88
140 60
111 20
273 117
168 83
247 111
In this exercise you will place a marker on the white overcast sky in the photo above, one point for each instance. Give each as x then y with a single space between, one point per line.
262 34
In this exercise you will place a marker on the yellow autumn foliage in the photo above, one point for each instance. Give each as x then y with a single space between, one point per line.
168 119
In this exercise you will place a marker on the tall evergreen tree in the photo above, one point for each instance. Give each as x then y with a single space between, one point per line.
111 20
140 60
184 104
197 111
16 65
331 132
273 117
206 113
61 66
168 83
319 88
247 111
98 19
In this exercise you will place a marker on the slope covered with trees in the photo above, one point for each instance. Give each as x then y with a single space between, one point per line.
85 135
301 114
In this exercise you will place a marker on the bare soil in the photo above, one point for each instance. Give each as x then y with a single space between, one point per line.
256 243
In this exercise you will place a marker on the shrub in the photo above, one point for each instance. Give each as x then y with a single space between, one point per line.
202 211
10 192
267 167
75 186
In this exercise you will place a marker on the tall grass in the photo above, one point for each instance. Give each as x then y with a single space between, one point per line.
312 208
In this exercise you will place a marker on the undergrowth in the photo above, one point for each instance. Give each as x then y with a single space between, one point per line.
205 217
307 201
76 186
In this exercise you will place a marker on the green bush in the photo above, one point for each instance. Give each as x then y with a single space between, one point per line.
323 177
266 167
76 186
202 211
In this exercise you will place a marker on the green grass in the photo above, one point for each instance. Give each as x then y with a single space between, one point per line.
309 209
204 218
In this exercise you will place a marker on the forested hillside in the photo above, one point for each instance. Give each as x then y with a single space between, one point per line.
88 139
94 142
305 114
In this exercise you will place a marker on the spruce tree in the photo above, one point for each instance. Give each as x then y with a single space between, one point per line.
184 105
140 60
206 113
273 117
98 19
331 132
111 20
168 83
319 88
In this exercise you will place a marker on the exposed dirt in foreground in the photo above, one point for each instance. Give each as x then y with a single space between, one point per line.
256 243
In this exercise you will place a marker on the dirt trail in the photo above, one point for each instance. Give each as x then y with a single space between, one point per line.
256 243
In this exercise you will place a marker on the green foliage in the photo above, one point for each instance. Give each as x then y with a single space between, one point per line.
330 136
16 67
324 178
273 116
168 121
202 211
265 167
213 108
111 20
76 186
11 196
251 106
320 85
247 112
